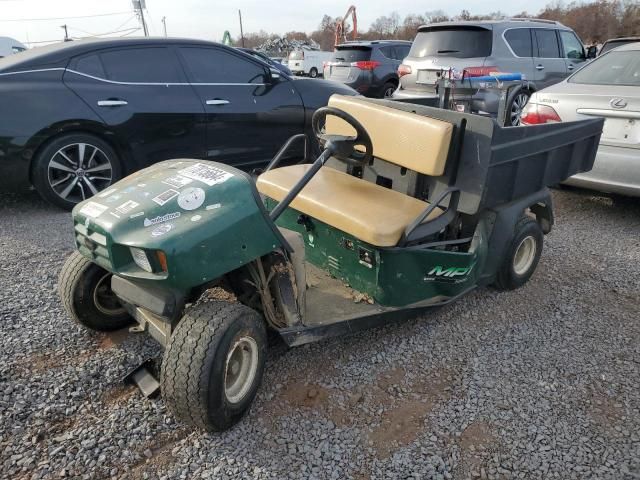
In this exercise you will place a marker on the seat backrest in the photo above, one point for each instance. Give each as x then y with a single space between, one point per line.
416 142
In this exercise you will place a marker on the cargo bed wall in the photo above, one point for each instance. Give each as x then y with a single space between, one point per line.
498 165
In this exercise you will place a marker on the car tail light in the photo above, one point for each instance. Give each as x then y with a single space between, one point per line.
162 260
366 65
404 70
534 114
479 71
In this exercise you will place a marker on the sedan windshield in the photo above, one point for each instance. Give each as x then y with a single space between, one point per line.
614 68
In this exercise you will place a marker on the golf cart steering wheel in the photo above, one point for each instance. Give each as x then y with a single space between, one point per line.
343 146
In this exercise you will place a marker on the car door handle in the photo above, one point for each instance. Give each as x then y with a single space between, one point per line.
112 103
539 67
218 101
570 67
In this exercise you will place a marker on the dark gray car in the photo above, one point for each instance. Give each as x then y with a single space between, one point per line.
370 68
543 51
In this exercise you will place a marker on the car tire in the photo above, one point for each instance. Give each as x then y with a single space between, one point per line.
388 89
514 112
213 364
523 255
85 291
313 73
59 178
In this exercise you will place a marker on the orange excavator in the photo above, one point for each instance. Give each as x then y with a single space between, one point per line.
341 34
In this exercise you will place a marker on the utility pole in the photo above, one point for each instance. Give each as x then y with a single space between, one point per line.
241 33
164 25
66 34
139 6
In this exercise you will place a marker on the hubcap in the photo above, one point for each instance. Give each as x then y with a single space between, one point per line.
104 299
240 369
525 254
516 108
388 92
79 171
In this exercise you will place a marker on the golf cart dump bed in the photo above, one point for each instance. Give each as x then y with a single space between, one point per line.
498 165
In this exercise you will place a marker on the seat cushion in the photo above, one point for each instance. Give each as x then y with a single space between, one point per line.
371 213
413 141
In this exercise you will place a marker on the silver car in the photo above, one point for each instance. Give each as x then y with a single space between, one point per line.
543 51
608 87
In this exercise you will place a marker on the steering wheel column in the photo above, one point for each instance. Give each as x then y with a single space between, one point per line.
342 147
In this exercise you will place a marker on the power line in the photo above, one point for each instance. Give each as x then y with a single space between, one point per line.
63 18
127 30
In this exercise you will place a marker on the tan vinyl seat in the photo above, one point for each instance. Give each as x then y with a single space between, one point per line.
370 212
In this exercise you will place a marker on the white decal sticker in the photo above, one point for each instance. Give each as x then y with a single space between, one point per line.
93 209
126 207
136 215
108 192
160 219
191 198
213 207
195 218
161 230
206 174
177 181
114 214
164 197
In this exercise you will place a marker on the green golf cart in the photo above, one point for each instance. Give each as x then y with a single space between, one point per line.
407 208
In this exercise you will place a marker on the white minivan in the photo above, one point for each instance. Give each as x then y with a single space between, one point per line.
9 46
308 62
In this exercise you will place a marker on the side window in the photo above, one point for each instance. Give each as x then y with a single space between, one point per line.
388 52
404 52
214 65
547 41
519 39
572 47
91 65
144 65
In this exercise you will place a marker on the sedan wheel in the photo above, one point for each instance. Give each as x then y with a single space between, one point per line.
79 171
74 167
517 105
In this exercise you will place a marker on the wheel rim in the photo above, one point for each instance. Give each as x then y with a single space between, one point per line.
313 73
105 300
78 171
525 254
516 108
389 91
240 369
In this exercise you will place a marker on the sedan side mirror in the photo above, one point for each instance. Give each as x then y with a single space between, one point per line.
275 74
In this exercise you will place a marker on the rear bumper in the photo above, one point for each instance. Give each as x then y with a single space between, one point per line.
616 170
480 101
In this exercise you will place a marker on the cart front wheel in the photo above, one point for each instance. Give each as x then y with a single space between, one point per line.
85 291
523 255
213 364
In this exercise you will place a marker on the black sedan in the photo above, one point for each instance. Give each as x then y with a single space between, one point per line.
75 117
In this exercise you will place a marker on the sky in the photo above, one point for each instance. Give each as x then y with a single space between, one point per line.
208 19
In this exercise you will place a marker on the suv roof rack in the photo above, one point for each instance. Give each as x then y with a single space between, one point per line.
541 20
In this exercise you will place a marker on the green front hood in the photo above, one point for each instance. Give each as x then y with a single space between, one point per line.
206 217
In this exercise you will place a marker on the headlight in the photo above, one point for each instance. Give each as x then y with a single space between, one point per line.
141 259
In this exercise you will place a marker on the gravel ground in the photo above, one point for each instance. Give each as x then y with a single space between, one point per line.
541 382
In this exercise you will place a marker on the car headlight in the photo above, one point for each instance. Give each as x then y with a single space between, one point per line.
140 258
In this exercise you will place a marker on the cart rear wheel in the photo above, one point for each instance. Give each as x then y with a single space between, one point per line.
523 255
213 364
85 291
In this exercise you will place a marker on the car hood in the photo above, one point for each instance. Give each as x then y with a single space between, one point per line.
315 92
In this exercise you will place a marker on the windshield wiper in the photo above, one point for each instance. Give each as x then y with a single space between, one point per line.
448 51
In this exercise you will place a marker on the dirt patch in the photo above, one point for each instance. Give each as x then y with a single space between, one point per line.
118 394
406 406
160 453
476 443
299 395
606 411
113 339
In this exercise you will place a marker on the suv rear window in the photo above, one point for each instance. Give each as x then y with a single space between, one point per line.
611 44
458 42
351 54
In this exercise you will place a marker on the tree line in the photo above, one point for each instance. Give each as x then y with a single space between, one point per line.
594 22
